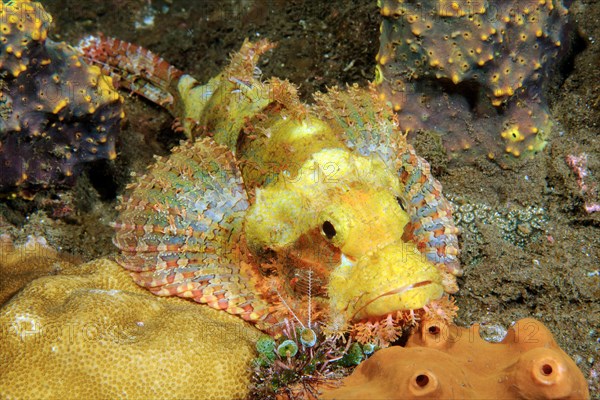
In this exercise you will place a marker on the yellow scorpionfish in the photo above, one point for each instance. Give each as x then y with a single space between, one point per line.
274 207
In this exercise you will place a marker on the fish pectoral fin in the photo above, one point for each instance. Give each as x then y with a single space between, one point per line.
216 283
180 230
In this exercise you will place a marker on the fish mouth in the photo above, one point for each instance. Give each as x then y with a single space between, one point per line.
359 313
394 278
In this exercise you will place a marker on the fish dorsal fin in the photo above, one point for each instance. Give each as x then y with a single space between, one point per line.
362 121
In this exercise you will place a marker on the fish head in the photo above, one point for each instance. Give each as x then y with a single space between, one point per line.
341 217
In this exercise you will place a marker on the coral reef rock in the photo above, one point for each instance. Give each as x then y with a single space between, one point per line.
473 71
442 362
90 332
55 110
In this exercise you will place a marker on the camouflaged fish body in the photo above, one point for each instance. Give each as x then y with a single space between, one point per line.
272 201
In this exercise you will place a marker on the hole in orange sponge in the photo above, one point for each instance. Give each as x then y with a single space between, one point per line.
422 380
547 369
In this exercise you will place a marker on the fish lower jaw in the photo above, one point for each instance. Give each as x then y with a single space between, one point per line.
410 297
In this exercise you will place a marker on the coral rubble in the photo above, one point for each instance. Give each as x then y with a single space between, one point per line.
55 110
90 332
473 71
588 185
441 362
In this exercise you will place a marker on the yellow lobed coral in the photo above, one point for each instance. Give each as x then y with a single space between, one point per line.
91 332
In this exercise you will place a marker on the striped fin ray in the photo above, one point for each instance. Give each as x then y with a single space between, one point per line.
134 68
432 225
179 231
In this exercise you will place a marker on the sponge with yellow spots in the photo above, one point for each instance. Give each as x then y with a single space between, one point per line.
473 71
55 110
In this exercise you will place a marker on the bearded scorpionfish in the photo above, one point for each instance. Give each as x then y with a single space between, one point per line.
274 207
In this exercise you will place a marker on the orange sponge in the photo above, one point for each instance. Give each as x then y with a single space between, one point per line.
443 362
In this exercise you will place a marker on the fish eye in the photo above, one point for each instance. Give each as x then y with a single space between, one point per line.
399 200
328 230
